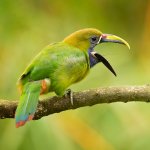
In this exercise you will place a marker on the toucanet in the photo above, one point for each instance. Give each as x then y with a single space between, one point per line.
58 66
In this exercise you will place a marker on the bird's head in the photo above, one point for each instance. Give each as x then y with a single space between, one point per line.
87 39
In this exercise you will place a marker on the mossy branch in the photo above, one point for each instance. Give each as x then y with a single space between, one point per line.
81 99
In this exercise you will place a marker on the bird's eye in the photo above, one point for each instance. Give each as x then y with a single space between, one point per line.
93 39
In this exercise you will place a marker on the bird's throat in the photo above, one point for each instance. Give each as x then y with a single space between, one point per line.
92 60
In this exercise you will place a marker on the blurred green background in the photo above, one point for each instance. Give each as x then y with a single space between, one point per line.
26 26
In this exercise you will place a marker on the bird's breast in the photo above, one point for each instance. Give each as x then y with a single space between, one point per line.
76 69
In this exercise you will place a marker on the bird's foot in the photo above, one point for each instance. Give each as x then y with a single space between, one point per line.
69 93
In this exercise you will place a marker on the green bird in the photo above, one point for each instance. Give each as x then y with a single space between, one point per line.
58 66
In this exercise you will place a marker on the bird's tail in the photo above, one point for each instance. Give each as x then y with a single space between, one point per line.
28 103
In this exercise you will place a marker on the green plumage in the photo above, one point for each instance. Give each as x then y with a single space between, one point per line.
61 63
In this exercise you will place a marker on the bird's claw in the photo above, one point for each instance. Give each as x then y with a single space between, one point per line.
70 94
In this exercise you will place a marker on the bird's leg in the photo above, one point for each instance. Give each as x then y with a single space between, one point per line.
69 93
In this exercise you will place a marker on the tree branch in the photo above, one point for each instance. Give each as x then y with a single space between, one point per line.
81 99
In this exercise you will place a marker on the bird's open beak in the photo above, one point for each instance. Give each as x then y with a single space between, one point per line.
100 58
113 39
108 38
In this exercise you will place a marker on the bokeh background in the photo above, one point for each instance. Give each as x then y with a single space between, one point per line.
26 26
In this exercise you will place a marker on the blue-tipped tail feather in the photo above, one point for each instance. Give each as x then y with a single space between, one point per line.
28 103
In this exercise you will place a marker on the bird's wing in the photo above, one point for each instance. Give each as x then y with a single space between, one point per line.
60 62
39 59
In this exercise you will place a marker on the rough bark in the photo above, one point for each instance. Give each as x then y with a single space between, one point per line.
81 99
